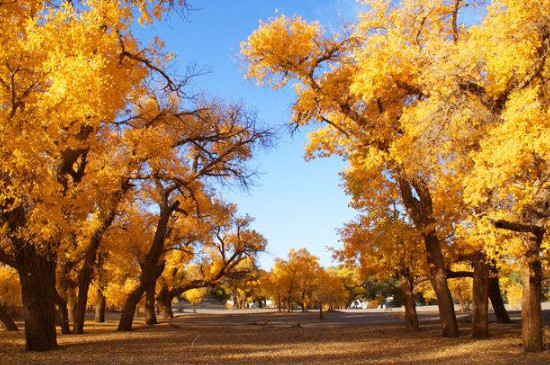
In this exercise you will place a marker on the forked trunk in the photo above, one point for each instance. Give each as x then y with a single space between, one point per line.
417 199
148 278
480 310
6 319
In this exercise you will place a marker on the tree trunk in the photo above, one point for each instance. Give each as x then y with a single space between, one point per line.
497 302
420 208
150 316
164 300
64 322
6 320
101 301
531 314
480 310
411 318
151 269
37 278
438 279
71 309
87 271
320 310
148 277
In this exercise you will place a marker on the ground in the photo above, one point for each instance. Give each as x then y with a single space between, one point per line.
267 337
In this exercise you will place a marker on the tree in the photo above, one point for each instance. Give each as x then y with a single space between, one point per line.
195 296
359 84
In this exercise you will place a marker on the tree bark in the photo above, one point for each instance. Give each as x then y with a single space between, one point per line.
150 316
37 278
411 317
6 319
100 306
420 209
321 311
497 302
531 313
480 310
151 269
164 300
87 270
64 322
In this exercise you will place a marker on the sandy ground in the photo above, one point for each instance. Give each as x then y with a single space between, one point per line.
267 337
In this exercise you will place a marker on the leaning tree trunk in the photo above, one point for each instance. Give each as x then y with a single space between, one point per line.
148 277
37 278
63 314
151 268
87 270
6 319
438 279
480 310
150 316
100 306
497 302
531 314
420 209
411 317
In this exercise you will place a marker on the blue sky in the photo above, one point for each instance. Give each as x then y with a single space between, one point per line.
295 203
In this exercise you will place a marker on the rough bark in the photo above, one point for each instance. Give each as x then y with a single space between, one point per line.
37 278
407 286
531 313
151 267
497 302
100 306
150 315
6 319
87 270
164 300
480 309
64 322
420 209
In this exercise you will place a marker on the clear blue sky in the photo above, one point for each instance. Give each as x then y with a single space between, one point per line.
295 203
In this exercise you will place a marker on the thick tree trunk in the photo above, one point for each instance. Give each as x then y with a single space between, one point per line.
497 302
150 316
480 310
531 314
164 300
6 319
64 322
37 278
418 201
411 318
100 306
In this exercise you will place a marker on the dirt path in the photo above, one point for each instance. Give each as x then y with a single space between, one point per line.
272 338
